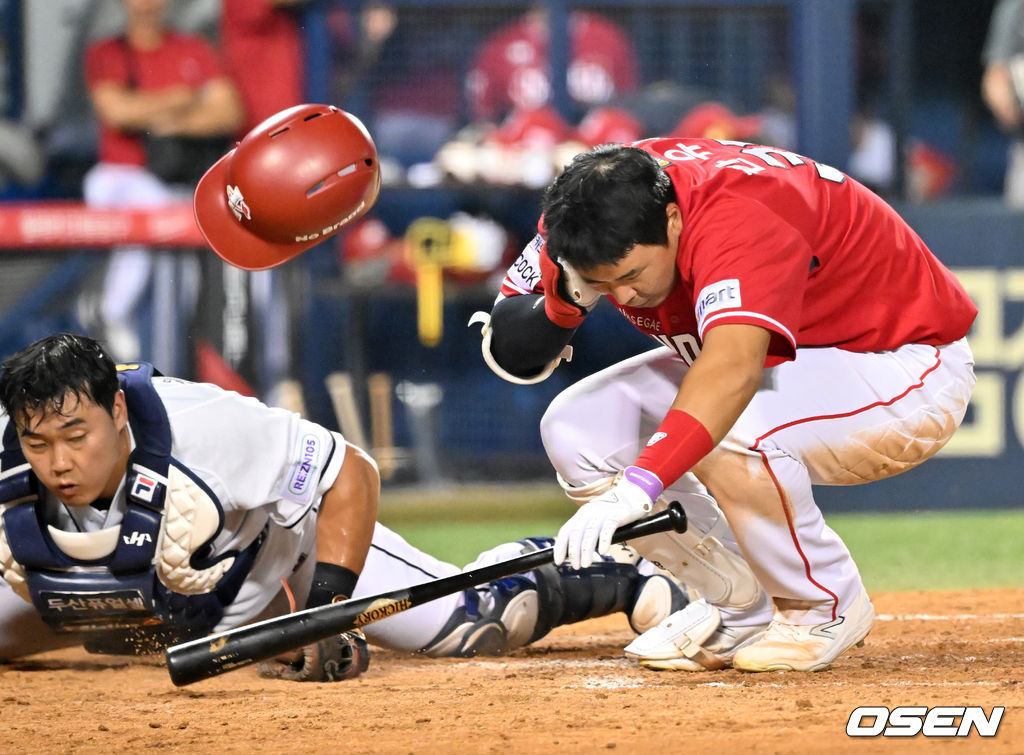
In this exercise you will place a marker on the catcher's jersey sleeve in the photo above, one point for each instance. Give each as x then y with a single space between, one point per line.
253 456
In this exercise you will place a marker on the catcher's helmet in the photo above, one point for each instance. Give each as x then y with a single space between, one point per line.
295 179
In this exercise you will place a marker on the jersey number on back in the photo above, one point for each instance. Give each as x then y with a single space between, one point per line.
770 156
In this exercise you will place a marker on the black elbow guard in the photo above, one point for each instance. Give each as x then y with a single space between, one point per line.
520 343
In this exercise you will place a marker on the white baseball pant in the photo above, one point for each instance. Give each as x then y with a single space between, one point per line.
830 417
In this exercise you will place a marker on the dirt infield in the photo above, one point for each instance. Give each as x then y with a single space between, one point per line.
571 692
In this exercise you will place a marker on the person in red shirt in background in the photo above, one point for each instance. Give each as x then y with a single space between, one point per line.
510 71
809 338
265 53
263 46
154 80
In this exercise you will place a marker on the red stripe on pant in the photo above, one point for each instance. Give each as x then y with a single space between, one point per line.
781 492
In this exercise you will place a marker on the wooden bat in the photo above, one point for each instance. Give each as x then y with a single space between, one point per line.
200 659
381 424
343 399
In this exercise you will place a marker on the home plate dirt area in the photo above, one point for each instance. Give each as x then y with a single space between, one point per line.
571 692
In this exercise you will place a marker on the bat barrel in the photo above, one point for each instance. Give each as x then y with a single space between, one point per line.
209 656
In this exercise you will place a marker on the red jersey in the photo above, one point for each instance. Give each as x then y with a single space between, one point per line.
511 70
180 59
777 240
264 49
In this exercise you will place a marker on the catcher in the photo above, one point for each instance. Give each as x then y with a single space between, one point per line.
141 511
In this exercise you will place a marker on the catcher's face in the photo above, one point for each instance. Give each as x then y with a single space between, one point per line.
79 453
646 275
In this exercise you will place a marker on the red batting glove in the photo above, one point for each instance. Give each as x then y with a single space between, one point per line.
558 303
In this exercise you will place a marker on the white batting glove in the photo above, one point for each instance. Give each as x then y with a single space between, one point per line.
589 531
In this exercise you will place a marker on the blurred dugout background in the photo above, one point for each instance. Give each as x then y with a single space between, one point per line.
887 90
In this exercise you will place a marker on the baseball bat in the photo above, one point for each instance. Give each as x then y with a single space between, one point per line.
381 425
210 656
343 399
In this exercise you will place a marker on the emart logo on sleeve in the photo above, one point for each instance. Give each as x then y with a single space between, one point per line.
724 294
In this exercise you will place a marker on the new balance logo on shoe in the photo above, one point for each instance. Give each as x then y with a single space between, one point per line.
827 630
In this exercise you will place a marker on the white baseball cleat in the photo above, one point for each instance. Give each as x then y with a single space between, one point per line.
693 639
793 647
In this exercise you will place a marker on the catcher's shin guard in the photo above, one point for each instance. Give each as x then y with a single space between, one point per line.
515 611
612 584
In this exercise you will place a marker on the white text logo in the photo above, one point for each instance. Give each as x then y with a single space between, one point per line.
137 538
910 720
718 296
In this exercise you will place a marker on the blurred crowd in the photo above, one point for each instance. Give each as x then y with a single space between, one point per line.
486 111
117 90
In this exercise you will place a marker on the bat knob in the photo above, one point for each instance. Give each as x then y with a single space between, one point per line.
677 516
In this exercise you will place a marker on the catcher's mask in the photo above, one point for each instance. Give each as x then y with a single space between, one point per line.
295 179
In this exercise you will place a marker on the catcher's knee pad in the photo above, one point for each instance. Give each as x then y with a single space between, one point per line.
656 598
699 559
492 620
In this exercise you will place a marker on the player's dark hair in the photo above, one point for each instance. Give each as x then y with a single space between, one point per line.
606 201
41 376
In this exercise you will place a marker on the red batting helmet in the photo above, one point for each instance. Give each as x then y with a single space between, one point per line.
294 180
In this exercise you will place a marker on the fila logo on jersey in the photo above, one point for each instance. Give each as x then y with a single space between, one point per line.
309 451
137 538
144 488
722 295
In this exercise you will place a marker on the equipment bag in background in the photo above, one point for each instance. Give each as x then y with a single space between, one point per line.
182 159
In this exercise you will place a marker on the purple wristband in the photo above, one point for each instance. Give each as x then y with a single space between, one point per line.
646 480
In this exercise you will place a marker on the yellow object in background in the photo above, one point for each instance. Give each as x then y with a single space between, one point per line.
461 243
434 245
430 243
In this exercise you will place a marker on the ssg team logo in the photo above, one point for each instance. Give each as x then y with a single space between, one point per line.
236 202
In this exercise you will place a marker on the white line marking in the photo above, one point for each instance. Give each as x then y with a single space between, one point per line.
748 685
954 617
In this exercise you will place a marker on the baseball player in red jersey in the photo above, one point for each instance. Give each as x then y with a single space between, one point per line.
510 70
811 338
